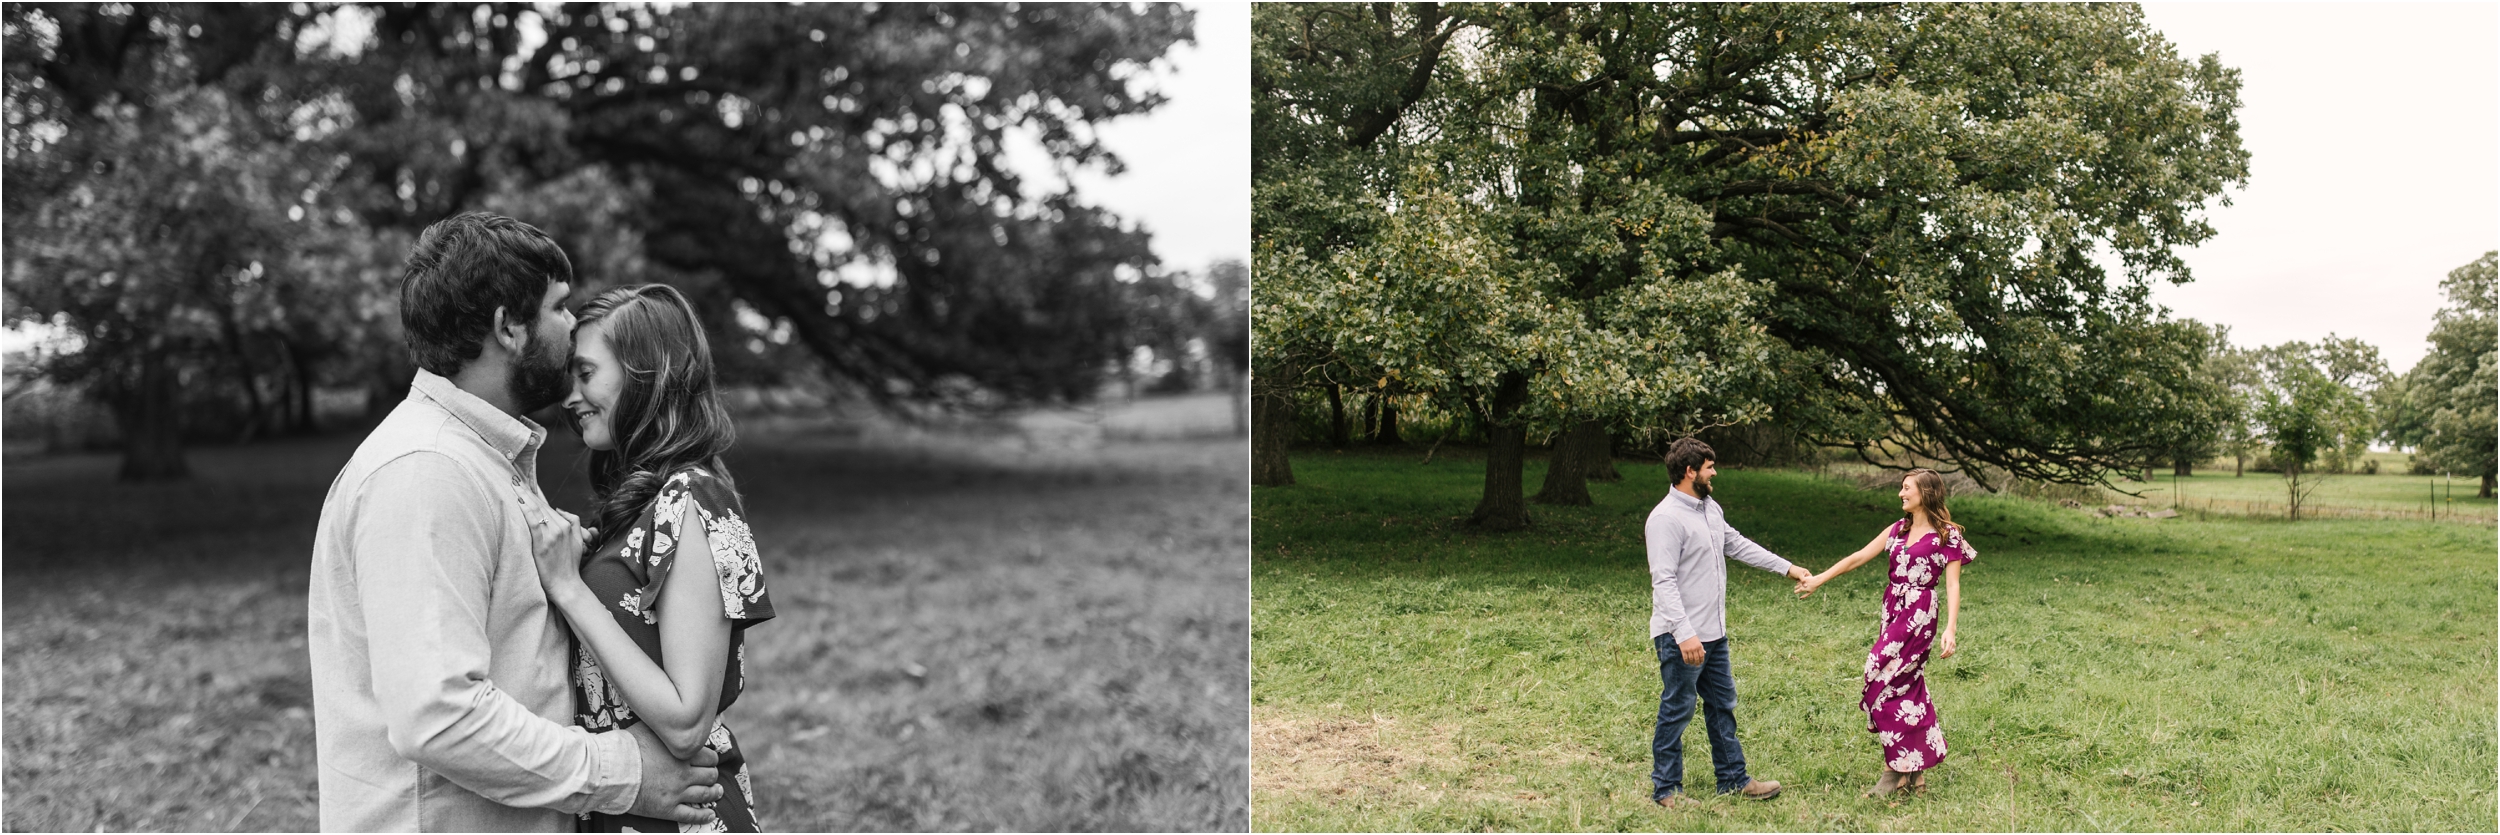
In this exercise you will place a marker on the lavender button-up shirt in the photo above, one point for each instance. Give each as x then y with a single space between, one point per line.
1689 546
441 692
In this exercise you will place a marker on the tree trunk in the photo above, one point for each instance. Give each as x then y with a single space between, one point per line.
1505 506
1371 418
2182 466
2487 486
2239 464
1388 423
1599 463
151 423
1336 416
1271 429
1567 472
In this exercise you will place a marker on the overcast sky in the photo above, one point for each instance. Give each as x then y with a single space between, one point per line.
1188 176
2374 136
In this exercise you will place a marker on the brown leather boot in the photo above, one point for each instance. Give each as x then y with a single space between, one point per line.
1760 790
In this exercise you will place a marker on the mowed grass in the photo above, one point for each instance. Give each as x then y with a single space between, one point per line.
974 634
2222 492
2114 674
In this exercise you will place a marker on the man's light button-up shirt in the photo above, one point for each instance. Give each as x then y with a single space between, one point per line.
1689 544
442 692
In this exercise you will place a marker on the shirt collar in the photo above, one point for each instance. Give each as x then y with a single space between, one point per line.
1685 500
512 437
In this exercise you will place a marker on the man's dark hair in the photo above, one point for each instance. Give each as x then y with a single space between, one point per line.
460 271
1687 454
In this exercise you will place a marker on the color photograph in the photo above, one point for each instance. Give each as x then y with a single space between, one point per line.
1922 417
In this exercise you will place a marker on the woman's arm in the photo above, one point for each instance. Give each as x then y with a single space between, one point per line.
679 702
1952 605
1845 565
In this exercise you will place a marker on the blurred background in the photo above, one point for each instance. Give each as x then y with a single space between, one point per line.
973 274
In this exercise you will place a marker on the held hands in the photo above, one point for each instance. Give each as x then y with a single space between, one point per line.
1806 585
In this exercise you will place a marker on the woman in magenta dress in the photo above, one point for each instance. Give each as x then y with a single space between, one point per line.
1925 548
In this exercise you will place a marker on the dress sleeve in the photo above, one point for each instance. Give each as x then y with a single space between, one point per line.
1959 549
740 569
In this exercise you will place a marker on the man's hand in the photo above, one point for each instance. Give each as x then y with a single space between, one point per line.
1807 586
1692 650
1798 573
673 790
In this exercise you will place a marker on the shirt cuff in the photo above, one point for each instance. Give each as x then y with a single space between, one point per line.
616 772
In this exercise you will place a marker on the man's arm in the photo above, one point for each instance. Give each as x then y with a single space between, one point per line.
1666 596
425 547
1736 547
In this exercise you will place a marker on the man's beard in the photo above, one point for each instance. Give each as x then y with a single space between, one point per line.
1701 487
538 380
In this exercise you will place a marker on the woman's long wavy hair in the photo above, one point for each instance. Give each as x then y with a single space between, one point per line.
1931 496
669 416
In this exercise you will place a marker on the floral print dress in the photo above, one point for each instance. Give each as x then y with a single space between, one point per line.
1897 709
627 572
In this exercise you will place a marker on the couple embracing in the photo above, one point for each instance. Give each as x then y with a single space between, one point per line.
1689 544
483 661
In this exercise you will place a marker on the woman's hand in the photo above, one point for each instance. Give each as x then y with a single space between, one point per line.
1947 651
558 542
1808 585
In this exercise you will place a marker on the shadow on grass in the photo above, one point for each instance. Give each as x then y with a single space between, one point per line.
975 633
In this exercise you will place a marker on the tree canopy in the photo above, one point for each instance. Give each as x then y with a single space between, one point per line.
1913 204
828 182
2445 405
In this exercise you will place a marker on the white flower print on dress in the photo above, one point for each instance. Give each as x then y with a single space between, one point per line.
1892 650
1870 669
1891 669
1909 761
747 790
733 556
1919 619
1935 740
1910 713
631 603
1887 738
633 541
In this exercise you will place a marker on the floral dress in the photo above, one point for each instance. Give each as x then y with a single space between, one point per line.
1897 709
627 572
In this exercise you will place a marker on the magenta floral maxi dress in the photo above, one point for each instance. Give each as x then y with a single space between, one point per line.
1897 709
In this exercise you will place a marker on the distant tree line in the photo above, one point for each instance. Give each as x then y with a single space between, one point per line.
213 200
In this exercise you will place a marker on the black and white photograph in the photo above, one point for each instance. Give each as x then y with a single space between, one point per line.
608 417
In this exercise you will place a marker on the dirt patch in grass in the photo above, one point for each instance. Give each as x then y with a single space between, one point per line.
1335 760
1341 756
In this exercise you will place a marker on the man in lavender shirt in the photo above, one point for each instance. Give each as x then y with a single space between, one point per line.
442 697
1689 546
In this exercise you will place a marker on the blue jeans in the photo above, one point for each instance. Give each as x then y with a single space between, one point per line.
1717 689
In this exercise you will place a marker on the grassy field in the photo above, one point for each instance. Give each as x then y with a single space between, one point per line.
2115 674
2389 491
975 633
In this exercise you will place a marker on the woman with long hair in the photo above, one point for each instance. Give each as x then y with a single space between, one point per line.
661 589
1925 546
